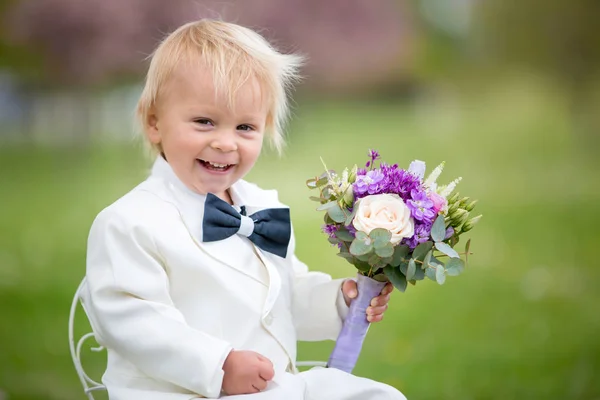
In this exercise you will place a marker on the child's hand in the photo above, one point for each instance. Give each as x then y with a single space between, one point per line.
378 304
246 372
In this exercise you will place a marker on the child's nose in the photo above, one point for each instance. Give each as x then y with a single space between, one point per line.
225 141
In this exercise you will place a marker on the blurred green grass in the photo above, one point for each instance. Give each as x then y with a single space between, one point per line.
522 322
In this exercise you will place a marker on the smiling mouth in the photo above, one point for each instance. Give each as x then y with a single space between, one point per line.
213 166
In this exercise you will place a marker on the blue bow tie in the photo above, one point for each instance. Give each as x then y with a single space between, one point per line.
269 229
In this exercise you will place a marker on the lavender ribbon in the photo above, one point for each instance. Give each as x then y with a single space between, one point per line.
350 340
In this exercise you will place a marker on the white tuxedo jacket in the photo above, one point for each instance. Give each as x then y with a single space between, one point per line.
169 308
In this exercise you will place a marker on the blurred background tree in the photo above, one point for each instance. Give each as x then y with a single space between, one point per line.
557 38
78 47
97 41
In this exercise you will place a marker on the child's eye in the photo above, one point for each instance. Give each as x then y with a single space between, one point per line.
245 127
204 121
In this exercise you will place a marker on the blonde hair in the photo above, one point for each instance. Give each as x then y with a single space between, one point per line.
233 54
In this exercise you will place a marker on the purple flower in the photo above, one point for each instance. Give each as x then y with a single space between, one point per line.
351 229
374 155
421 206
386 179
449 233
370 183
417 168
422 233
399 181
329 230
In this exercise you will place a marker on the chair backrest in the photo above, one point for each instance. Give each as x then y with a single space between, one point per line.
89 385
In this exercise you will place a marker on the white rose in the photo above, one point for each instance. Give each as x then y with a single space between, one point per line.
386 211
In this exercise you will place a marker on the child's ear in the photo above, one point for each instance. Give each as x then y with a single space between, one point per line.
152 127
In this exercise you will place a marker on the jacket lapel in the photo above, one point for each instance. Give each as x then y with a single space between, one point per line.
191 209
241 196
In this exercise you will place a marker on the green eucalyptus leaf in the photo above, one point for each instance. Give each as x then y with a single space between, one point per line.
400 253
412 268
421 250
346 255
358 247
327 192
315 198
385 251
350 216
440 275
379 265
438 230
361 265
427 259
336 213
344 235
311 183
430 273
454 266
380 244
396 277
323 179
434 262
412 282
419 274
364 257
333 240
380 236
374 260
326 206
380 277
446 249
361 235
403 267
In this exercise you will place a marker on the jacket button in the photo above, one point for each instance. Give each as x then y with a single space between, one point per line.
268 319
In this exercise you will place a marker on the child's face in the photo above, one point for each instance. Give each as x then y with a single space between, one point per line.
208 144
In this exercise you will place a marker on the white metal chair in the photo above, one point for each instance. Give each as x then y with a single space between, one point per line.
89 385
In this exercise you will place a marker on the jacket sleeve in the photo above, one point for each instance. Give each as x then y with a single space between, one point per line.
131 311
318 304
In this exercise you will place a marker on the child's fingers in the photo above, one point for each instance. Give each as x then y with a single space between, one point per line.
259 385
267 373
387 289
266 370
349 288
374 318
376 310
262 358
380 300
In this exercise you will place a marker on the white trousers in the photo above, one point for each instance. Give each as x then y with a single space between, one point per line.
323 384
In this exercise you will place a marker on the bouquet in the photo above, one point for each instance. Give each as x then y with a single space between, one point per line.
394 225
